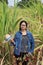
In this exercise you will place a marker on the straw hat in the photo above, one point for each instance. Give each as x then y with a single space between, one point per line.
8 37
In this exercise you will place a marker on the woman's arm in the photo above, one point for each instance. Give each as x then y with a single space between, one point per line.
13 41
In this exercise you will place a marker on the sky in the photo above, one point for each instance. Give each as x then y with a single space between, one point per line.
42 1
11 2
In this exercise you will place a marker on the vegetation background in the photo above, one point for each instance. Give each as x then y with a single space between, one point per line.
29 10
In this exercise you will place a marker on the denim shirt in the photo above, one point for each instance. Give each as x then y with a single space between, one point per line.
18 39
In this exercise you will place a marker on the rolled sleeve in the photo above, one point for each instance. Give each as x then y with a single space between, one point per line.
13 43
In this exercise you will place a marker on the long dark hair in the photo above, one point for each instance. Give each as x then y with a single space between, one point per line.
21 23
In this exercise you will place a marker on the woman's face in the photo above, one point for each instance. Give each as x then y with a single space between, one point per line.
23 26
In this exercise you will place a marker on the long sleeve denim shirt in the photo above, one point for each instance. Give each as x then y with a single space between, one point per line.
18 39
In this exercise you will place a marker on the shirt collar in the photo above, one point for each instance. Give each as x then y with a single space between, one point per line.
27 32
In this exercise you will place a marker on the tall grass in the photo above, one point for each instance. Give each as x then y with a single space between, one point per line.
8 22
10 18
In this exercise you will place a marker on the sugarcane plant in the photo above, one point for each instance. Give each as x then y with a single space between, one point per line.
9 19
8 22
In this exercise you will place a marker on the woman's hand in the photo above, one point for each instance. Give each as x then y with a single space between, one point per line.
12 40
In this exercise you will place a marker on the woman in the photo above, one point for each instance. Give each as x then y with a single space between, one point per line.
23 41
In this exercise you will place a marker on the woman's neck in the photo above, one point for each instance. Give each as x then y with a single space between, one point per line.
23 32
